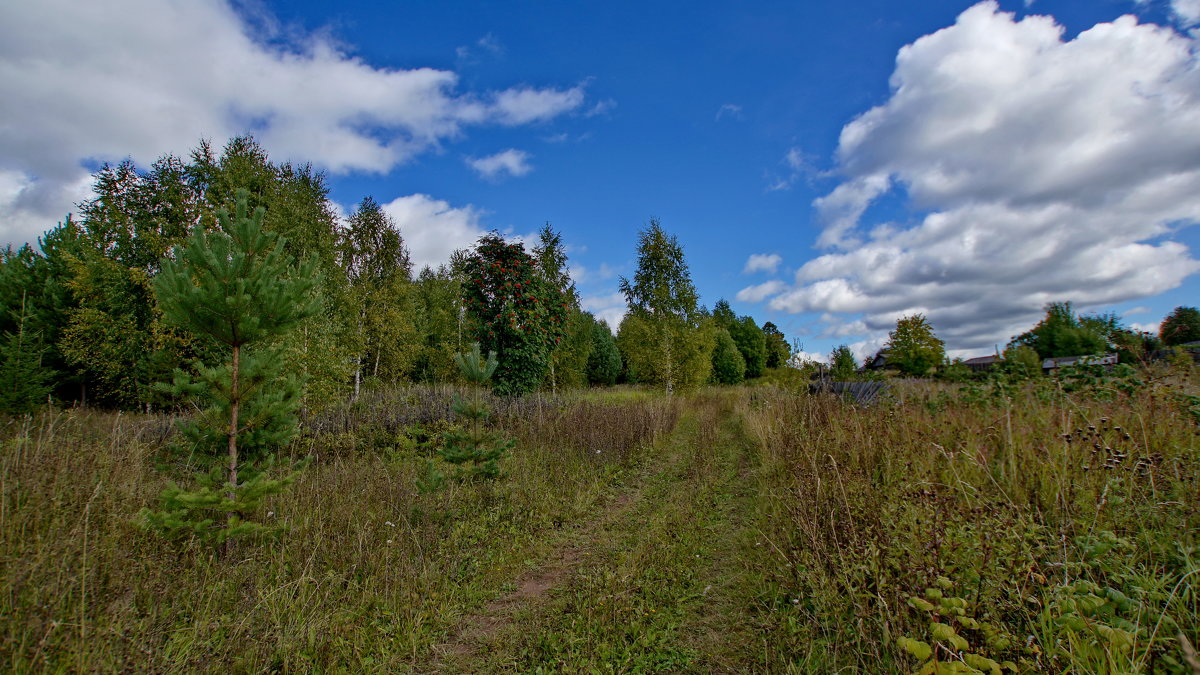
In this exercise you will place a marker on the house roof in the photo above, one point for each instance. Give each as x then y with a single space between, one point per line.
1093 359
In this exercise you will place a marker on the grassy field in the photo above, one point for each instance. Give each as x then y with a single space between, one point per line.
1023 527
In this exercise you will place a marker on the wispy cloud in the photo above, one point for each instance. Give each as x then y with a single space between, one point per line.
798 166
510 162
730 110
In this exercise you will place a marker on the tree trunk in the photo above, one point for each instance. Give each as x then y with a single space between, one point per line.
669 366
234 402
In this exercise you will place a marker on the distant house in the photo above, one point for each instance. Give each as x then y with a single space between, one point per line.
981 364
877 363
1052 364
1192 348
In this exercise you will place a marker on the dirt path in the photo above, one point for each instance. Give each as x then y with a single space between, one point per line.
636 587
476 631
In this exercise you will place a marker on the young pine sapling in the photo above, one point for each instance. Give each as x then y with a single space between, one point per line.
237 289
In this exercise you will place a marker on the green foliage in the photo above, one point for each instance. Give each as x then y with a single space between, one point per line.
568 358
436 300
843 365
913 348
216 513
474 451
664 340
952 621
514 312
1135 346
778 351
378 272
1061 333
36 303
752 343
665 351
604 359
751 340
1021 361
662 284
1180 326
956 371
90 291
728 366
24 379
236 287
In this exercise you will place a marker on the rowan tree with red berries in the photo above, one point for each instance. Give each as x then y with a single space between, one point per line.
512 310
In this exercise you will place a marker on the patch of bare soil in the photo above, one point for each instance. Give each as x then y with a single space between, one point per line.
477 630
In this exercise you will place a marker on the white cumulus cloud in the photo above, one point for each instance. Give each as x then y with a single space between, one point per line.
762 262
494 167
432 229
1186 11
610 307
760 292
86 82
1045 169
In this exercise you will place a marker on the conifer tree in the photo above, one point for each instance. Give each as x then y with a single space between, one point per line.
728 366
24 381
604 360
236 287
475 451
573 343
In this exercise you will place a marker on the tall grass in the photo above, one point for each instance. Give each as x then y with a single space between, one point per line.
1066 523
1035 526
368 575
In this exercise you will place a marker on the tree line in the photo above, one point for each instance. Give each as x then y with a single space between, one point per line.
81 318
913 347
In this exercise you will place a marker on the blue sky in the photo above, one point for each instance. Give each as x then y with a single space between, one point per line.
826 166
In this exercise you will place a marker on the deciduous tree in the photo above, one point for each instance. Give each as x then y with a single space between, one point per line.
662 338
1180 326
728 366
843 366
778 351
913 347
514 312
1061 333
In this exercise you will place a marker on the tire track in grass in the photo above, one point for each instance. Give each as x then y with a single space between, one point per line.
653 592
466 648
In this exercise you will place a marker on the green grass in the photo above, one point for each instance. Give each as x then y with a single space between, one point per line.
733 530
